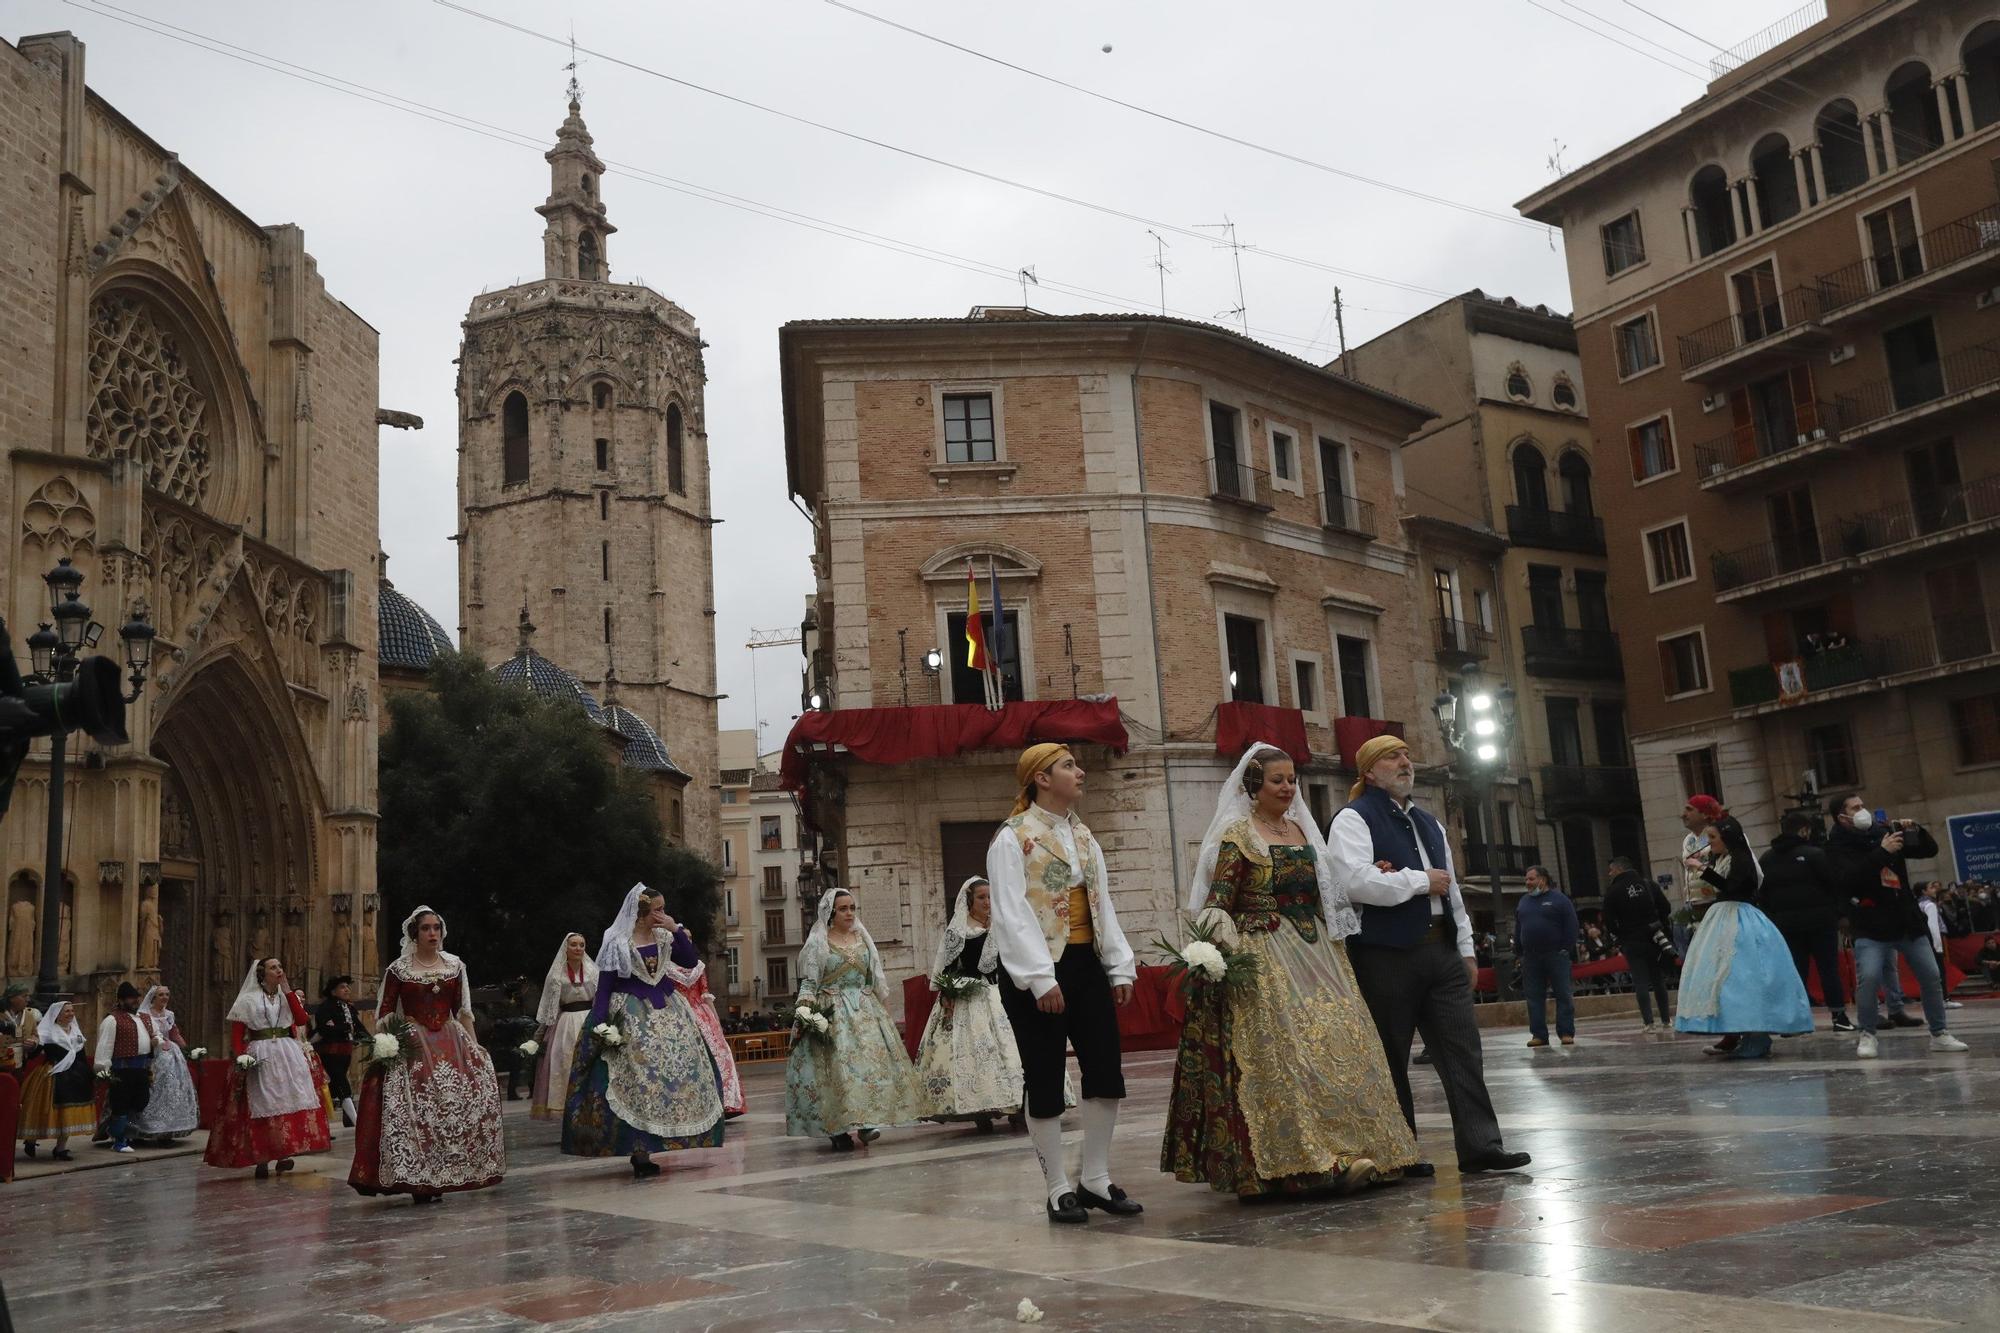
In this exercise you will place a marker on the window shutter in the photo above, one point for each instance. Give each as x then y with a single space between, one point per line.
1779 645
1637 444
1741 427
1840 614
1805 405
1668 682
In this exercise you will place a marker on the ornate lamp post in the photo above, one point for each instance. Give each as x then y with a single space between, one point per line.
83 695
1477 722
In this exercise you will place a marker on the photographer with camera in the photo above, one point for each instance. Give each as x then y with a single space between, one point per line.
1870 859
1640 919
1802 896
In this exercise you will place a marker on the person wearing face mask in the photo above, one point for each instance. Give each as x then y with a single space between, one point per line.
1872 865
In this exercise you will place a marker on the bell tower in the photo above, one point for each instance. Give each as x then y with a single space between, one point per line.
583 481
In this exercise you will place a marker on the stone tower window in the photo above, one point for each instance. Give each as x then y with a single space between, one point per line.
604 504
586 256
514 440
607 624
604 455
600 395
604 555
588 185
676 465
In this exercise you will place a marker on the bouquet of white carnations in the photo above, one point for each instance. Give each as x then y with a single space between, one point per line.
609 1034
197 1053
246 1062
394 1041
1201 962
813 1019
530 1048
956 985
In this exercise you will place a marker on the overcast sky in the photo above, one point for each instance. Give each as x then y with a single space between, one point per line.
411 218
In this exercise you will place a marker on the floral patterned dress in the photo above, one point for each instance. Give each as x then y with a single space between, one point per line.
967 1063
858 1075
431 1124
277 1109
1280 1084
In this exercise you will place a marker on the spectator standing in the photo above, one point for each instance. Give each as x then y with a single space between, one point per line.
1934 923
1545 933
1638 915
1802 897
1872 867
1989 959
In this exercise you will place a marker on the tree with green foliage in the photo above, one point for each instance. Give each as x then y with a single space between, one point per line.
503 811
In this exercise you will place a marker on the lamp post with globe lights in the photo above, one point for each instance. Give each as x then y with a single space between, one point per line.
1476 721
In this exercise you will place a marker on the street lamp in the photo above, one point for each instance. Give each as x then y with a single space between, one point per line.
1477 722
70 691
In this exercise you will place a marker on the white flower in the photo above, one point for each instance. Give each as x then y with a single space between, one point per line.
531 1047
386 1046
1027 1312
197 1053
246 1063
608 1034
1207 959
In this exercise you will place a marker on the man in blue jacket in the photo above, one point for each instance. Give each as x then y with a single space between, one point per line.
1545 934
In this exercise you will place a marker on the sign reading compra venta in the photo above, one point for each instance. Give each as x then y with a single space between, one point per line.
1975 845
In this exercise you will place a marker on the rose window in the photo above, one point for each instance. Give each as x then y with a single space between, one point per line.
144 402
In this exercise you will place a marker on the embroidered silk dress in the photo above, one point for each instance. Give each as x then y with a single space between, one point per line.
277 1109
858 1076
564 1008
718 1047
172 1111
967 1064
1281 1083
429 1124
658 1091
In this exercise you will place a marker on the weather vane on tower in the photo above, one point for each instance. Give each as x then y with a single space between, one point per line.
575 88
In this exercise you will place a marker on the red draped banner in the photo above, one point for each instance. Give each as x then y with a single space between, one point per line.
939 731
1240 725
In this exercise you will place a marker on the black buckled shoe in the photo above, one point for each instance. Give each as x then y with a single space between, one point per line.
1065 1208
1118 1204
1420 1170
1494 1161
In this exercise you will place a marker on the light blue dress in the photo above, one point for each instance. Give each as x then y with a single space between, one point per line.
1740 977
859 1075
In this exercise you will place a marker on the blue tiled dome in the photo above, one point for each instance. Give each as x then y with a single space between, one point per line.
543 677
406 635
643 747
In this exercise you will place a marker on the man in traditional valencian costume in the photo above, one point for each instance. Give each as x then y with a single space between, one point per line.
126 1044
1413 957
1070 968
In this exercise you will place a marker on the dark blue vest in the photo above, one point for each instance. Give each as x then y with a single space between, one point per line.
1396 834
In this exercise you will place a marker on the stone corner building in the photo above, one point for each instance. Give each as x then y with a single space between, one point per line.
583 484
191 417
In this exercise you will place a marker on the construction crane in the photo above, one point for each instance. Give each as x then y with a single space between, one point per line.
764 638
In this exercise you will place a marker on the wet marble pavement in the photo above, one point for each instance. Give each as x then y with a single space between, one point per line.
1811 1193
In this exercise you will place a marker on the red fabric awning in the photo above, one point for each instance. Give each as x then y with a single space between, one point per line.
1351 733
1240 725
939 731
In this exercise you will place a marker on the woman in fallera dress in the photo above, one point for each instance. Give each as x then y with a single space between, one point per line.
60 1096
1739 977
710 1022
655 1090
967 1063
172 1110
276 1108
1281 1087
429 1122
857 1077
567 991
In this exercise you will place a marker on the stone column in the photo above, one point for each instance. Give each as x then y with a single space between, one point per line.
1743 197
1870 147
1942 88
1962 85
1817 167
1802 173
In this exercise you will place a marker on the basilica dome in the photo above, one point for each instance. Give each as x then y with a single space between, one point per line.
545 678
643 747
407 637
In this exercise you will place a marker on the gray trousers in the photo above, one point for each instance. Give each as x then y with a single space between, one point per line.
1425 990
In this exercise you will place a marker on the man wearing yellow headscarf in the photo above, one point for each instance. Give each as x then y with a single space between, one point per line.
1069 968
1413 957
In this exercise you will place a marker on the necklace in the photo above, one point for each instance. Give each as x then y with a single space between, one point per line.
1279 829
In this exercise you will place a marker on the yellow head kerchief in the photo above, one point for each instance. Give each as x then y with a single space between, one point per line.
1372 752
1035 759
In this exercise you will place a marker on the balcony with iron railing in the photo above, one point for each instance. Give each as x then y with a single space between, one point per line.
1588 789
1571 654
1738 344
1460 642
1555 529
1512 858
1236 482
1946 646
1346 515
1919 396
1746 454
1947 516
1962 254
1797 558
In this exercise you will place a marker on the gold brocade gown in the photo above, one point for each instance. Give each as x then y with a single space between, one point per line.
1280 1084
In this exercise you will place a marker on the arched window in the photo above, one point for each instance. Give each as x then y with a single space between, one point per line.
1714 215
586 256
676 463
514 440
1842 159
600 395
1777 179
588 185
1914 124
1531 477
1573 470
1982 73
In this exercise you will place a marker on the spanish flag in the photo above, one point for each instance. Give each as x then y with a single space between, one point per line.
975 625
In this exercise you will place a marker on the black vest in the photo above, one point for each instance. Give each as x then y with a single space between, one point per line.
1396 833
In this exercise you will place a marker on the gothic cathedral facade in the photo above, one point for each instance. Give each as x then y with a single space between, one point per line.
583 481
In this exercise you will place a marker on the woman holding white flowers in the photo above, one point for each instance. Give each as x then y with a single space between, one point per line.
848 1070
566 995
275 1109
642 1080
967 1063
429 1121
172 1110
1281 1086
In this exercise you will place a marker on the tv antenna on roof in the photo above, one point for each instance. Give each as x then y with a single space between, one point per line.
1160 248
1228 230
1028 279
